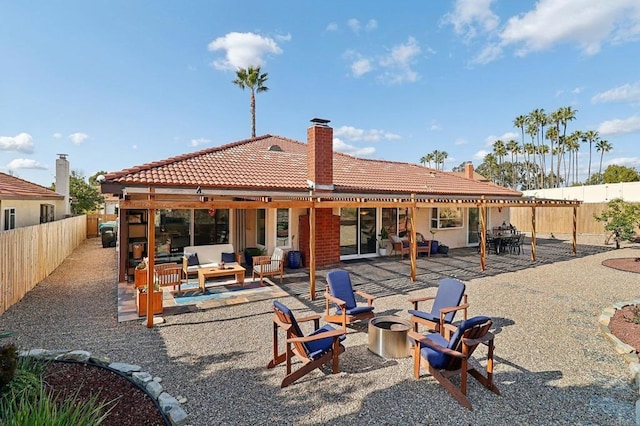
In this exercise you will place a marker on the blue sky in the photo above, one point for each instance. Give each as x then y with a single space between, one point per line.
115 84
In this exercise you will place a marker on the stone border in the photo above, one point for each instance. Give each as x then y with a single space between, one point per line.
628 352
169 405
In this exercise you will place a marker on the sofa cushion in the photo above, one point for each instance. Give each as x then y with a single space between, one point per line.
192 259
211 253
228 257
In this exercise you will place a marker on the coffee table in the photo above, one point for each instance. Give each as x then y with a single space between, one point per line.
217 271
388 337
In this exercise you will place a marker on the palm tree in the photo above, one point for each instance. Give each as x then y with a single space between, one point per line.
552 135
554 118
603 146
254 80
439 157
573 145
500 150
566 114
590 136
514 149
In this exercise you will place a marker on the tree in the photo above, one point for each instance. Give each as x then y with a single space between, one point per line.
621 219
603 146
254 80
86 196
590 136
615 174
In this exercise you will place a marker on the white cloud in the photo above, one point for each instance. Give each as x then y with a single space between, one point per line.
480 154
284 37
398 62
506 137
618 126
57 135
243 50
199 141
354 24
340 146
134 147
353 134
361 67
434 126
489 53
22 142
623 161
332 26
26 163
460 141
588 23
577 90
78 137
472 17
625 93
372 24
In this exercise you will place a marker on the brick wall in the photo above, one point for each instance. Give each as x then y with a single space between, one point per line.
327 237
320 154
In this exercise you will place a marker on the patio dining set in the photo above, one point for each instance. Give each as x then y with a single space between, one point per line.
502 240
443 348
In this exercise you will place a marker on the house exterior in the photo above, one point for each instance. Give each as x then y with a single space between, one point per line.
23 203
272 191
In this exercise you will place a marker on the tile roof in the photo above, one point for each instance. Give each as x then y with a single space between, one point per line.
250 164
16 188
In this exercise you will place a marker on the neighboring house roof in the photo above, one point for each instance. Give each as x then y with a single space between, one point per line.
251 164
15 188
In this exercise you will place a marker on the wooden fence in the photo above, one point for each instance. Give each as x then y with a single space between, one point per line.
559 220
28 255
93 220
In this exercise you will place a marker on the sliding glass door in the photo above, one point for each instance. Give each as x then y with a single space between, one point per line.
358 231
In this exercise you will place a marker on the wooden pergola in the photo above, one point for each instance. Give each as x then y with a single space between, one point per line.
155 198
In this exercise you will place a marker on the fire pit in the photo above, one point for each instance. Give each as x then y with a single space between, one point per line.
388 337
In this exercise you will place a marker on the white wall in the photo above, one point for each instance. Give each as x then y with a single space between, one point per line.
28 211
628 191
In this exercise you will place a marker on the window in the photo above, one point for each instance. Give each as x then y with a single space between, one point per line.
172 230
390 220
9 219
446 217
261 227
47 213
282 227
210 226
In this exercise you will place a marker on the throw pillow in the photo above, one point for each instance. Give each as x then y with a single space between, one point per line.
192 259
228 257
395 238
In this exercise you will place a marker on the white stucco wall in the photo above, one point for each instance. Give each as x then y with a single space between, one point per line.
628 191
28 211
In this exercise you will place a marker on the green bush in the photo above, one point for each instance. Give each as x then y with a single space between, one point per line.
8 363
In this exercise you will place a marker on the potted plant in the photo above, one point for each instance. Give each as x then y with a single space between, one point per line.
140 273
294 257
383 241
142 298
249 252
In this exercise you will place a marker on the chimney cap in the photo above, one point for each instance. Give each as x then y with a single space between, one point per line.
320 121
62 156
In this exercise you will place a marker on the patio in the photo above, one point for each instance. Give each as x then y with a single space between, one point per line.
552 364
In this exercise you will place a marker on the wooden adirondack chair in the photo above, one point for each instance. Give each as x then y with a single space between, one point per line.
445 305
340 292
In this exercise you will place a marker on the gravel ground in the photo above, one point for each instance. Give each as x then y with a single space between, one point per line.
552 364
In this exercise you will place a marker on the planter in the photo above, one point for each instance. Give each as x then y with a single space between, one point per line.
249 252
383 251
141 302
140 277
294 258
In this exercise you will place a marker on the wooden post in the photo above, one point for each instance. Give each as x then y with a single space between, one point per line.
533 232
151 249
483 236
312 251
575 228
413 251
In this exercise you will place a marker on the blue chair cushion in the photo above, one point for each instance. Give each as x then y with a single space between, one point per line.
285 310
355 311
192 259
450 292
317 348
340 287
424 315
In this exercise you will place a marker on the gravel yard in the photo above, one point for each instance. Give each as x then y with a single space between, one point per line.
553 366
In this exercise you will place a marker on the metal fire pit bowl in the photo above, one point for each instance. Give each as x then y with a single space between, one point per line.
388 337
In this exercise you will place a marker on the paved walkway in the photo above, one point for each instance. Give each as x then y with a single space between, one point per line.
552 364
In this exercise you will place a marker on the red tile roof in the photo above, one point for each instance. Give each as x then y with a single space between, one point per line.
16 188
250 164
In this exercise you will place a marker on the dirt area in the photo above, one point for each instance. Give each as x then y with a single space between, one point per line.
620 325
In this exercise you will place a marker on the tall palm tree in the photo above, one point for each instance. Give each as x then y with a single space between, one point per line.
590 136
514 150
532 131
528 149
500 150
554 118
254 80
566 114
439 157
603 146
574 147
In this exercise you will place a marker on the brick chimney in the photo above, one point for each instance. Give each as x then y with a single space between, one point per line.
468 170
320 155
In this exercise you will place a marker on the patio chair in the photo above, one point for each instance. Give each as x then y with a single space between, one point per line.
168 274
446 303
517 244
340 292
269 265
319 347
447 358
